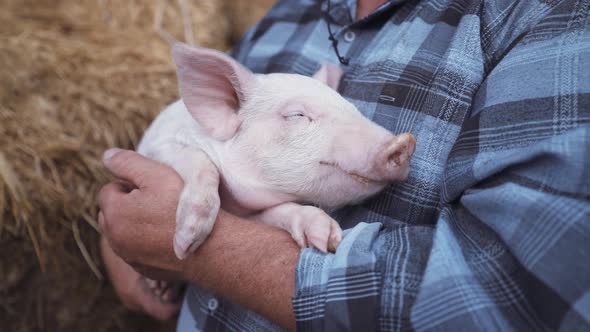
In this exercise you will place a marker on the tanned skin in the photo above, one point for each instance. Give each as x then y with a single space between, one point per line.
365 7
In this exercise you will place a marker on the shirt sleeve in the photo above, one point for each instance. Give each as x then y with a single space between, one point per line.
511 244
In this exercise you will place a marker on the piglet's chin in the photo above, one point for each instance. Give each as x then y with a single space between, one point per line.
346 190
351 196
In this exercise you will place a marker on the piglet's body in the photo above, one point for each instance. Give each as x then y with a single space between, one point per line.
262 145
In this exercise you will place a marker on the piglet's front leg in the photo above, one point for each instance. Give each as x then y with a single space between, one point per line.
198 204
199 201
308 225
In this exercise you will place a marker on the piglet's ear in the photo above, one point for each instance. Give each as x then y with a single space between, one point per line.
212 86
329 74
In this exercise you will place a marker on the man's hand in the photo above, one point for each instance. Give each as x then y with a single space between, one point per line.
248 263
138 213
133 291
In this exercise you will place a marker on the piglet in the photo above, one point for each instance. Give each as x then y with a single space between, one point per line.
270 148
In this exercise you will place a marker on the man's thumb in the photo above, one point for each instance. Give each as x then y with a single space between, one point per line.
130 166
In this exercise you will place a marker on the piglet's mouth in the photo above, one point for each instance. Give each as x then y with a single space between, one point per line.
355 176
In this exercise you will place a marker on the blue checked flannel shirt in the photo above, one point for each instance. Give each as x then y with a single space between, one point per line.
492 229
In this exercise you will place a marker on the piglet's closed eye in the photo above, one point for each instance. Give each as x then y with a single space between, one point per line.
213 86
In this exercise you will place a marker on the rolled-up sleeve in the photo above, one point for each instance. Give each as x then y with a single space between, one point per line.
334 289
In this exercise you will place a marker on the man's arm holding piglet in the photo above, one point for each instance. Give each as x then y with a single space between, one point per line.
234 261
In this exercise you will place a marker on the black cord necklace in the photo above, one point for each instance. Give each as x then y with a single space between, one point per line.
327 17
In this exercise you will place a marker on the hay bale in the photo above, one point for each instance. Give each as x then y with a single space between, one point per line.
77 77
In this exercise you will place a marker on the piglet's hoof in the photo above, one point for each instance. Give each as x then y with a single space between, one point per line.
312 227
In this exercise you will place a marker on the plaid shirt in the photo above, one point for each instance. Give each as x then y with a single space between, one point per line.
492 229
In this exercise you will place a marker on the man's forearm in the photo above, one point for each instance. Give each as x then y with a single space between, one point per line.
250 264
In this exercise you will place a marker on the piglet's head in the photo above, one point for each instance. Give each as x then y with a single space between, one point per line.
286 136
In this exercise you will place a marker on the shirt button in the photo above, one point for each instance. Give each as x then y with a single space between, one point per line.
212 304
349 36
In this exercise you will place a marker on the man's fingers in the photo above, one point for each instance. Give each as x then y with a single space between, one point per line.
158 309
132 167
111 192
109 198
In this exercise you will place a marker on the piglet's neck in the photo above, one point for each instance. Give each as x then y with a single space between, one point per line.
247 197
242 194
231 205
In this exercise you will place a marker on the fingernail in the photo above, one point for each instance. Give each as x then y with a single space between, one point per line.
110 153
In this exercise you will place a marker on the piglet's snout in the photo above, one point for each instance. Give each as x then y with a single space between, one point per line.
393 160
